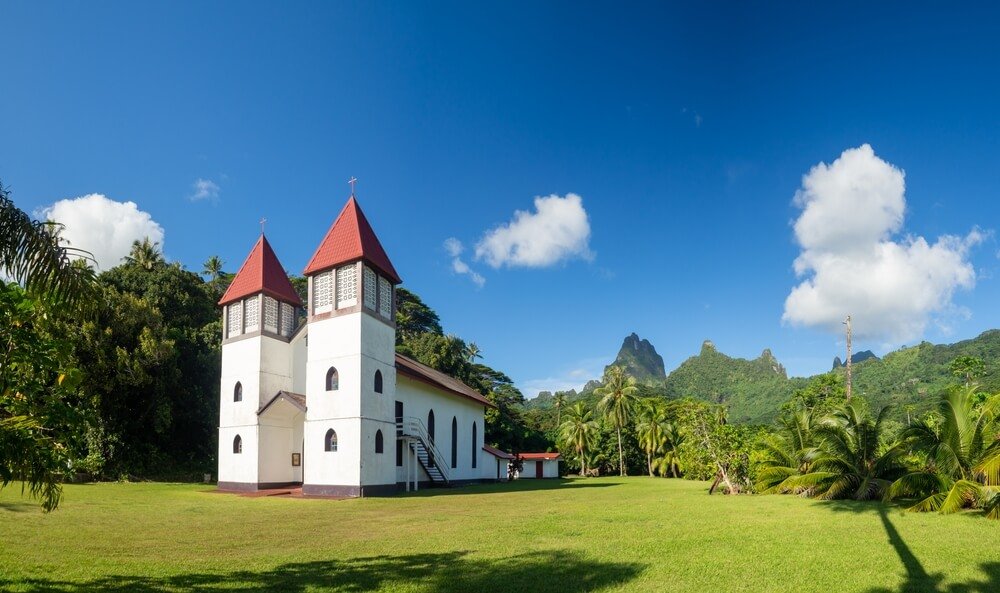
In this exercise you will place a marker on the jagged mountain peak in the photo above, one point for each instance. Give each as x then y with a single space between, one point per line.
640 359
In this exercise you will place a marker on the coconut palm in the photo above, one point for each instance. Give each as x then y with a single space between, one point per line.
472 352
962 465
559 400
849 461
650 428
580 433
32 254
617 400
669 461
788 453
213 268
145 254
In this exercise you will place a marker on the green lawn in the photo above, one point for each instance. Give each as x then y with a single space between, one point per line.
607 534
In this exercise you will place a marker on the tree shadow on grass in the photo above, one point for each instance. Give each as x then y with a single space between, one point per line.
452 572
918 580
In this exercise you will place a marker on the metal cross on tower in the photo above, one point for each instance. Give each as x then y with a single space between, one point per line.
262 221
352 181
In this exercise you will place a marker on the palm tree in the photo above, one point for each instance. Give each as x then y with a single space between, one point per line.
145 254
579 432
213 268
650 429
32 255
669 461
617 400
962 465
849 462
789 452
472 352
559 400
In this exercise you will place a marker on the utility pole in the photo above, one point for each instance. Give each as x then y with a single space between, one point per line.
847 382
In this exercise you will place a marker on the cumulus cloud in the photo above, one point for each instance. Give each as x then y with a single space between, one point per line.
455 248
557 230
204 189
853 261
102 226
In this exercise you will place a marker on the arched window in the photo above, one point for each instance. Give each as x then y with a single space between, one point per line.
475 441
378 381
454 442
430 435
330 442
237 445
378 441
238 392
332 379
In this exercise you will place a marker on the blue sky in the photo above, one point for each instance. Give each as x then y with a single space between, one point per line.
685 130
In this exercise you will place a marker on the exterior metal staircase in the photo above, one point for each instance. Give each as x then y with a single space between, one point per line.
414 435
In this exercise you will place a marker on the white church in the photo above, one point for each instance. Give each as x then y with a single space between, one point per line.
327 403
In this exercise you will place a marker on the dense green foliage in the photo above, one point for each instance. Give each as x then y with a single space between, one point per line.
38 397
752 390
38 382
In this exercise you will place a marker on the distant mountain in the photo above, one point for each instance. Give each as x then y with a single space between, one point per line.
753 390
910 379
640 360
855 358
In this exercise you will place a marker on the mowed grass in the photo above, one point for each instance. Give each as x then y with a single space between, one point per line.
605 534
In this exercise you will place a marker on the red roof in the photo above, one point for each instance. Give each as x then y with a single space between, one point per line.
261 272
538 455
421 372
351 238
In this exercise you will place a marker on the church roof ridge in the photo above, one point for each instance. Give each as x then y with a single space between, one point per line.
351 238
261 272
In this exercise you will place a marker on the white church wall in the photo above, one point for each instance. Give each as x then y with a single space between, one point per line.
334 342
238 468
275 368
418 399
300 356
275 454
280 435
378 468
332 468
240 363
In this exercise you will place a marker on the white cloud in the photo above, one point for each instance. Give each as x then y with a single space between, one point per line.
558 230
574 376
851 263
102 226
455 248
204 189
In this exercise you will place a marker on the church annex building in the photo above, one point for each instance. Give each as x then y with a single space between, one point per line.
327 403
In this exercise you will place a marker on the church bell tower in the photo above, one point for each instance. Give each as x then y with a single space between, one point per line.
350 430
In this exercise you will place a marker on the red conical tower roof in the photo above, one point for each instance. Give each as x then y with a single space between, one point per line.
261 272
349 239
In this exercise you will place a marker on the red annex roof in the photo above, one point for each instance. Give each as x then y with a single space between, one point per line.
261 272
545 456
421 372
497 452
351 238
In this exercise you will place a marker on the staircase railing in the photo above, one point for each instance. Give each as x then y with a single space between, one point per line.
413 427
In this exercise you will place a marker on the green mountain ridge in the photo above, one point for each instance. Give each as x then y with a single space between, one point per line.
910 379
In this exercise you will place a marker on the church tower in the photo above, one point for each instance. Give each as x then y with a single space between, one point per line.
260 323
350 430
